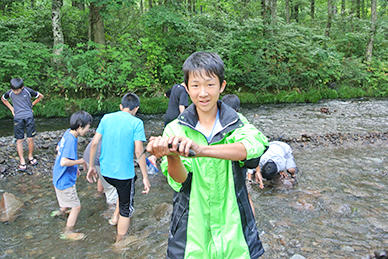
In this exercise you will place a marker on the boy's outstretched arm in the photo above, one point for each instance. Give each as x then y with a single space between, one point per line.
142 163
259 177
70 162
6 103
158 146
40 97
91 176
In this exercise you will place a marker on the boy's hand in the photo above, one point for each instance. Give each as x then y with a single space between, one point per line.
283 174
84 164
91 176
147 185
158 146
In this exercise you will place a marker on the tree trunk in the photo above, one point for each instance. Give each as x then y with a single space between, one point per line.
57 29
343 6
312 9
189 6
194 4
274 11
263 9
32 4
149 4
141 6
296 12
363 9
369 48
96 23
329 17
358 7
351 11
287 6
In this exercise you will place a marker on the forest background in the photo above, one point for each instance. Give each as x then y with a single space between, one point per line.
85 54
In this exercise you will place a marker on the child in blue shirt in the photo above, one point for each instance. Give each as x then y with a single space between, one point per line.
121 135
65 172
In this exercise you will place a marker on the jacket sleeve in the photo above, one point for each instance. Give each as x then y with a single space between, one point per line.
253 140
173 129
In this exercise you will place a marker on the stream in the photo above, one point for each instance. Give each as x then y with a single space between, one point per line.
338 209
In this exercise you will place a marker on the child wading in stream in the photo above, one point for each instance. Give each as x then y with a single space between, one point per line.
121 135
66 170
211 217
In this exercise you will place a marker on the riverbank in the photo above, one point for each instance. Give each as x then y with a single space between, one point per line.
59 107
45 144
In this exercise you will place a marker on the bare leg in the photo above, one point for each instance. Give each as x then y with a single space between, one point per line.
122 227
19 148
72 219
115 217
100 188
30 142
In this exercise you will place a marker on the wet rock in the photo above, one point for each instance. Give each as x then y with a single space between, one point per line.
341 209
163 212
303 205
3 169
324 110
357 193
381 254
45 146
297 256
347 249
9 206
381 224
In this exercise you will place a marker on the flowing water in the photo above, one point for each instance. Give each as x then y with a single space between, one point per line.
338 209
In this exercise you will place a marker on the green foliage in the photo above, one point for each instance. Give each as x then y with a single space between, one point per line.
265 62
28 60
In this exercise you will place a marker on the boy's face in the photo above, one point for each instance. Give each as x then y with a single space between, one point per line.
83 130
17 91
204 90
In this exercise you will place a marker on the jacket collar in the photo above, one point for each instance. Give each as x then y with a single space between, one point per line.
228 117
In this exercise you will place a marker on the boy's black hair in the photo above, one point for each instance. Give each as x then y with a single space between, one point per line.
16 83
210 62
130 100
168 93
232 100
269 170
80 119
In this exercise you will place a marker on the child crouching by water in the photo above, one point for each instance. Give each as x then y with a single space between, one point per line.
66 170
276 163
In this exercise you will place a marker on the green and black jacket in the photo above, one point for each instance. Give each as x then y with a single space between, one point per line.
211 215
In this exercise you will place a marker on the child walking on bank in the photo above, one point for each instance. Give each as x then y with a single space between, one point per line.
211 215
66 170
21 109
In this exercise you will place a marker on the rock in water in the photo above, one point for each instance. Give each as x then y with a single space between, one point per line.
9 206
163 212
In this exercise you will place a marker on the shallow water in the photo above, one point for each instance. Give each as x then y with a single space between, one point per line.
337 210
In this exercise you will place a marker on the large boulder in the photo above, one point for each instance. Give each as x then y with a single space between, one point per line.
9 207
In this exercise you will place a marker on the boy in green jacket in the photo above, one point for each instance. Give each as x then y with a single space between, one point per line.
211 217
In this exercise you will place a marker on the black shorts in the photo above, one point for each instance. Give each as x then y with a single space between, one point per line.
21 124
126 191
